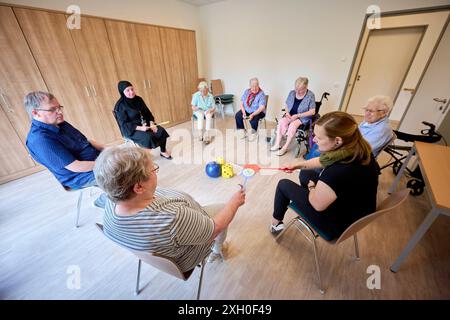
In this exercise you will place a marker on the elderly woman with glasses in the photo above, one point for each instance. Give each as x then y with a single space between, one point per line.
375 128
141 216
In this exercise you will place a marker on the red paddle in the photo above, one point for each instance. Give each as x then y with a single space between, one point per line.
257 168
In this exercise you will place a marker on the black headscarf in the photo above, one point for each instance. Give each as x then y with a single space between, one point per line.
134 102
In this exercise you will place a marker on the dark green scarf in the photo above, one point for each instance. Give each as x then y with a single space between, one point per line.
330 157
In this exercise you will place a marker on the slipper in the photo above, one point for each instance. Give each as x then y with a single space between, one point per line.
168 158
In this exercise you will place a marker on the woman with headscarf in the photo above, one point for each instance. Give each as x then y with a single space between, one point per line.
136 122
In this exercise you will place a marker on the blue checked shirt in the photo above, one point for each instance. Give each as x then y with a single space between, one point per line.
260 100
57 147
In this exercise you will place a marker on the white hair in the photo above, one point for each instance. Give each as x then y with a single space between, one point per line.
383 102
202 85
253 79
34 99
302 80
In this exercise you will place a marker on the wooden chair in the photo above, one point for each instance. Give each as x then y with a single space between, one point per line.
264 119
164 264
311 233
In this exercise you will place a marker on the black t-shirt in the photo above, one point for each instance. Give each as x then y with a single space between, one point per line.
355 186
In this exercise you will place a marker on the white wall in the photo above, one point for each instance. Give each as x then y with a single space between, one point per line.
279 40
169 13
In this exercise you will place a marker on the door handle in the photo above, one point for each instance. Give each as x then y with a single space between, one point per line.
145 84
410 90
5 102
87 91
148 84
93 90
440 100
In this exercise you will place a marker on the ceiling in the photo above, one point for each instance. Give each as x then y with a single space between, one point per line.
199 3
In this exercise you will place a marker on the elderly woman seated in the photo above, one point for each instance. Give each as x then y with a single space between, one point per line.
344 191
375 128
203 106
300 108
136 121
253 108
141 216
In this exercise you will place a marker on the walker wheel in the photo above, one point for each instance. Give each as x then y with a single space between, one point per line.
396 167
416 187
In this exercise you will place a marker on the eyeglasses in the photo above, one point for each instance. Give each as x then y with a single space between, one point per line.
52 109
155 168
371 111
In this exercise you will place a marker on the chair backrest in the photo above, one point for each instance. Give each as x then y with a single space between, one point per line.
267 100
159 262
216 87
387 205
117 121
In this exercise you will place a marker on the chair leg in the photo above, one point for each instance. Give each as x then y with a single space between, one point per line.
200 281
80 197
136 291
321 289
356 247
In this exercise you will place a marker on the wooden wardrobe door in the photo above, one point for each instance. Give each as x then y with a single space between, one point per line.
56 56
173 62
189 49
14 156
19 73
153 64
94 51
125 49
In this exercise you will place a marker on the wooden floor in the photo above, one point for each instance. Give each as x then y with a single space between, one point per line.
39 245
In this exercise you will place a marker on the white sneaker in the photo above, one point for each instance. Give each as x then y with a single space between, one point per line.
241 133
281 152
215 256
277 229
275 148
252 136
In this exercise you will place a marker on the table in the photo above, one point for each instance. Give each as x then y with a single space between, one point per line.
434 162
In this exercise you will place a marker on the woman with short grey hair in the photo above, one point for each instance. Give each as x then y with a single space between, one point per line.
300 108
204 107
141 216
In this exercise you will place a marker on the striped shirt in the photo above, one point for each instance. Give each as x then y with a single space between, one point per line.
173 225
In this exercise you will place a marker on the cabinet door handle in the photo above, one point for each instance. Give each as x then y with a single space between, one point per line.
148 84
5 102
93 90
87 91
145 84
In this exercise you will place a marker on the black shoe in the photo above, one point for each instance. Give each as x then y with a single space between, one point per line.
168 158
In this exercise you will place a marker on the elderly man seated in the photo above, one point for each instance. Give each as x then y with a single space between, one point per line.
57 145
375 128
140 216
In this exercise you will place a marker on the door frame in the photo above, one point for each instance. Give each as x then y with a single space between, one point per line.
362 43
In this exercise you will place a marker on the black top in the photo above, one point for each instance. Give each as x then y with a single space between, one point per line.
355 186
130 115
294 109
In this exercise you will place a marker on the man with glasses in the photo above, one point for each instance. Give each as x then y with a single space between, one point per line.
375 128
58 146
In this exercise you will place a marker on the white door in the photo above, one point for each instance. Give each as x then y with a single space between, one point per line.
431 102
434 23
386 61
